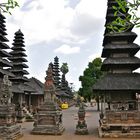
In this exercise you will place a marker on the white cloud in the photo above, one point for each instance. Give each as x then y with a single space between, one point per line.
66 49
49 20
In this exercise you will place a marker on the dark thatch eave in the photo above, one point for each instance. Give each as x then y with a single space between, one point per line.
19 71
21 53
6 72
18 48
22 88
130 48
5 63
118 82
36 85
122 61
61 93
21 59
18 44
19 64
4 53
124 36
4 45
3 38
19 79
131 63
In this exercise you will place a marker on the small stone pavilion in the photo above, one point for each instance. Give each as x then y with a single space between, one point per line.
48 119
120 87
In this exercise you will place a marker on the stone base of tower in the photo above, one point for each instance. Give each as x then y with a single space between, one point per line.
130 127
10 132
132 133
48 120
48 130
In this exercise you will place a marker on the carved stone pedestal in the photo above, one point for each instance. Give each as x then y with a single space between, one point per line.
48 120
81 127
9 130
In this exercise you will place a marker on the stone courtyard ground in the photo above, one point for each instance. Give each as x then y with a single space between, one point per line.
69 122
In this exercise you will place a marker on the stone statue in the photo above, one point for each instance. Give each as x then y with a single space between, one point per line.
6 92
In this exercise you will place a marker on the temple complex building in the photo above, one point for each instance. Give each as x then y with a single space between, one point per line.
120 109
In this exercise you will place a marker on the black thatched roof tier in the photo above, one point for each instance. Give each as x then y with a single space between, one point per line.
18 48
20 40
6 72
18 53
2 17
119 37
20 64
20 59
19 71
22 88
5 63
61 93
4 45
130 48
121 62
19 79
3 38
36 85
118 82
4 53
2 32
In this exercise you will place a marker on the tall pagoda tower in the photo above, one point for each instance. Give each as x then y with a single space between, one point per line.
56 73
120 87
18 60
4 56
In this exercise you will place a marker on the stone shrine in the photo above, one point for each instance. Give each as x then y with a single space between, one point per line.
81 127
48 119
9 130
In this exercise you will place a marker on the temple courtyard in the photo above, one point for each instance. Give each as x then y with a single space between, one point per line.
70 119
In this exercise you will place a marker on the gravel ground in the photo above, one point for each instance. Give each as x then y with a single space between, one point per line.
69 122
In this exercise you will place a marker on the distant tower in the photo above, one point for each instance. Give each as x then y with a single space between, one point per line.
56 73
4 56
18 58
120 112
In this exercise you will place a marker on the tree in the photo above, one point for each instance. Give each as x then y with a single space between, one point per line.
64 68
7 6
89 78
128 18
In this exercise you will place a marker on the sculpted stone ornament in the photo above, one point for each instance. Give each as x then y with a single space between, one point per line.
8 127
81 127
6 93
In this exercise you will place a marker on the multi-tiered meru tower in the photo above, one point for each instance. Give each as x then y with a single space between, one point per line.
120 114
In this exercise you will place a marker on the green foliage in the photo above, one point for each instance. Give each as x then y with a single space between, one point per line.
89 78
7 6
64 68
127 19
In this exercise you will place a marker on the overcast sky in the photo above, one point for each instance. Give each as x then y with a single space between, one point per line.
70 29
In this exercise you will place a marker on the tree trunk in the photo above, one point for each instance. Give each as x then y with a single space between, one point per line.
98 104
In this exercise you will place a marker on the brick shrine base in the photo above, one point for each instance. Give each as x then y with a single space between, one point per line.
69 122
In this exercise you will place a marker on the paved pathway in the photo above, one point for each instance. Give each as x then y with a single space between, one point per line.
70 121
